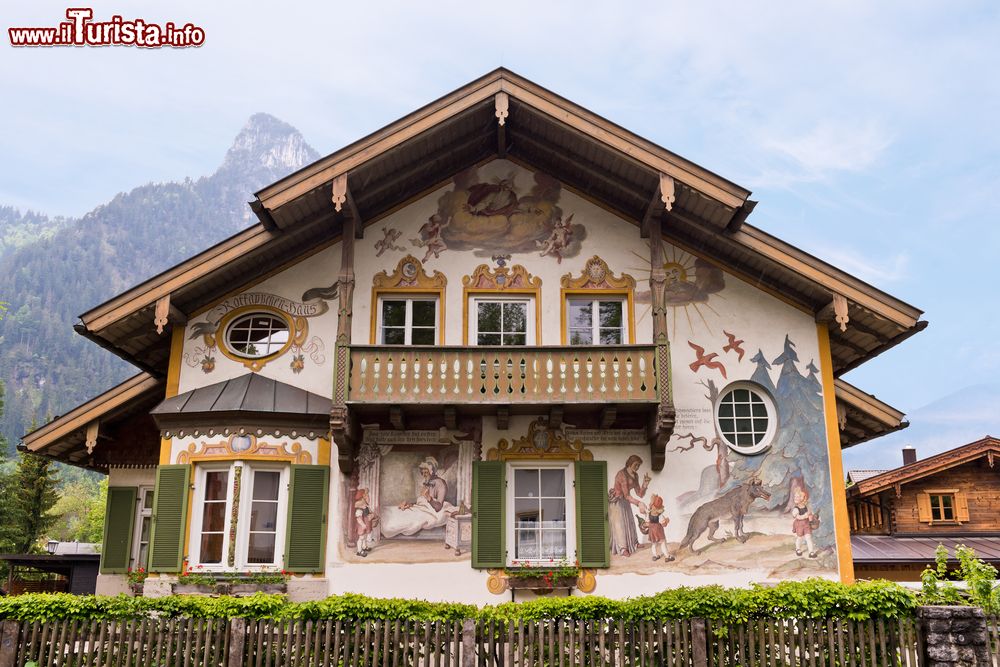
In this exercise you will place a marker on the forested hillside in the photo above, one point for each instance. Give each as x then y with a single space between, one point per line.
51 270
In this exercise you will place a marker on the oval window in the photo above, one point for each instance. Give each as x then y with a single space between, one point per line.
746 418
257 335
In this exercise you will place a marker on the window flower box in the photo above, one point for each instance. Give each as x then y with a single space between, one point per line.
251 588
198 589
541 582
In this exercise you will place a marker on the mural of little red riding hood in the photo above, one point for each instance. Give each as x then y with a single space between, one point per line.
364 521
624 536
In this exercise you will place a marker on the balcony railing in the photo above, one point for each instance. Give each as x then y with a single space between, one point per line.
526 375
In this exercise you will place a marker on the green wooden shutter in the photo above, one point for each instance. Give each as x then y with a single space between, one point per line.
593 540
305 539
119 518
489 499
170 507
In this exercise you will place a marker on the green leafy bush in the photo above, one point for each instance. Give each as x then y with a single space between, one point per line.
979 576
814 598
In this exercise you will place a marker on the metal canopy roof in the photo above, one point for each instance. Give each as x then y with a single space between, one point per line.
249 393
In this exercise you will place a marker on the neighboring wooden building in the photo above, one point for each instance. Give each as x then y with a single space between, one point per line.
898 517
500 332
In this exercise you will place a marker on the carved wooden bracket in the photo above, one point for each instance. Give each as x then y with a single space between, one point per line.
840 311
660 429
345 431
502 104
841 415
503 417
165 312
667 195
92 430
339 192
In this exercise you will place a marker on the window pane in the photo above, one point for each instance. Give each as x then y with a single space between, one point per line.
742 410
553 513
211 548
393 336
581 314
610 314
422 337
488 316
144 530
553 544
424 313
581 337
257 335
741 395
527 544
265 484
261 548
264 516
611 337
215 485
514 339
147 500
488 339
213 517
526 512
553 483
393 313
525 483
515 317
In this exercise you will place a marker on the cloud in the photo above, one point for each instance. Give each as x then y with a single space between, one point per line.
875 270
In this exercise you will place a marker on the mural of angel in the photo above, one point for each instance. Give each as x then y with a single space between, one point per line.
495 216
430 237
388 241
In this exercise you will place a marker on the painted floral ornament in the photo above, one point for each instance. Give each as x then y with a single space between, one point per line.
208 364
298 363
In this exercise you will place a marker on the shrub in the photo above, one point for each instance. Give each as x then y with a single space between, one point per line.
814 598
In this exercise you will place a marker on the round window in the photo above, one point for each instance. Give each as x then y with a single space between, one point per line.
746 418
257 335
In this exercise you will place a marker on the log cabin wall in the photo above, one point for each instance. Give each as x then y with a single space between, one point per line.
975 483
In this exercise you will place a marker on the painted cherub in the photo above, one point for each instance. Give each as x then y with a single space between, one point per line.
802 522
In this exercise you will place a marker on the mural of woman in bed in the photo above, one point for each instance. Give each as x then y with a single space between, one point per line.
430 509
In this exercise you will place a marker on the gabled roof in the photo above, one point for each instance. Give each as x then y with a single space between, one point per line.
124 406
863 416
249 394
540 130
855 476
987 447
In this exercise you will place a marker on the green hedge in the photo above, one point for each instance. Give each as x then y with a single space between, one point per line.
814 598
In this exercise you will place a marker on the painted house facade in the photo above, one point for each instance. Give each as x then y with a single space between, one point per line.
499 333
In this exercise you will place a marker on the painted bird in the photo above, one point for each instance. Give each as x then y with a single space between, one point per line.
734 345
706 360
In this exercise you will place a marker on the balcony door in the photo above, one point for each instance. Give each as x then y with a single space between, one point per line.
502 321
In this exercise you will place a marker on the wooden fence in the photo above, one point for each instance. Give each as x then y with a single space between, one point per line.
558 643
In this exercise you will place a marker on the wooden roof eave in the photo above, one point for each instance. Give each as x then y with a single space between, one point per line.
137 388
929 466
867 403
559 109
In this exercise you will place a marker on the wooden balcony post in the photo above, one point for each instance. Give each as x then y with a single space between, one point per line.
662 426
343 426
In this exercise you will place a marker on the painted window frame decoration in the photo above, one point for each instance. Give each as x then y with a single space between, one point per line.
408 280
597 282
237 515
569 500
503 282
409 300
234 319
764 399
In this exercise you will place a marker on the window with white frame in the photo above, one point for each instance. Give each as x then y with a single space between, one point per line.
143 523
746 417
541 507
502 321
408 320
596 321
262 504
257 335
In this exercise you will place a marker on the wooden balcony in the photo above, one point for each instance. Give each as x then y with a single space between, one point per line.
515 376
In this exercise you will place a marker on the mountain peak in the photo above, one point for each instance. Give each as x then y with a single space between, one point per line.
269 144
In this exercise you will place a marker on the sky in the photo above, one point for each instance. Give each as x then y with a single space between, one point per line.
867 131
